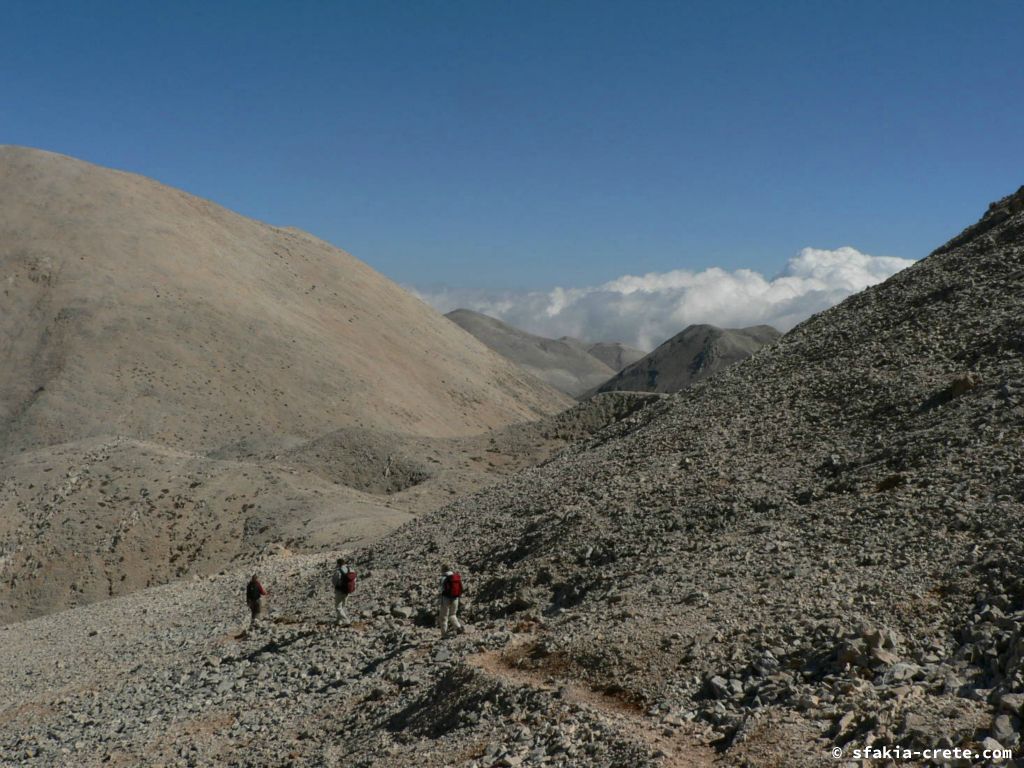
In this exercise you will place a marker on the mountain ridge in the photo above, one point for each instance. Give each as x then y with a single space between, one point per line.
567 364
141 291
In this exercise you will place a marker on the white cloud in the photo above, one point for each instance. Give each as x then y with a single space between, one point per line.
645 310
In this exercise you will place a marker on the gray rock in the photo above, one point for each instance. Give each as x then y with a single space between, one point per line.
1005 729
720 688
1012 703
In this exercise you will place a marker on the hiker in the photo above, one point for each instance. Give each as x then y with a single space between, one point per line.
448 607
254 594
344 581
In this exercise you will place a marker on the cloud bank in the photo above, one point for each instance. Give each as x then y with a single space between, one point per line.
645 310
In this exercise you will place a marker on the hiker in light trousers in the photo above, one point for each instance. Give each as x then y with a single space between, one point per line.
448 606
344 581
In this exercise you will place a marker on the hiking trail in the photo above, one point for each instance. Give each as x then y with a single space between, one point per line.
674 747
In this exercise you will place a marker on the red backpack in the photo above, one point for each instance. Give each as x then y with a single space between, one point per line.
453 586
347 584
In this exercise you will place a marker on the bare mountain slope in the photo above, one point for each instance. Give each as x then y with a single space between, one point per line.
565 364
163 357
693 354
130 308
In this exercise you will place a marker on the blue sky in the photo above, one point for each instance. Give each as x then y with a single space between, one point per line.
522 145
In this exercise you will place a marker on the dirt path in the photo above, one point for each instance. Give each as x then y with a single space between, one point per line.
677 747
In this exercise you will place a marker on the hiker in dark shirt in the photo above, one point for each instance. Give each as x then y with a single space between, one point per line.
254 594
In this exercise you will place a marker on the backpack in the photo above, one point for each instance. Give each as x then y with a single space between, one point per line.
345 581
452 586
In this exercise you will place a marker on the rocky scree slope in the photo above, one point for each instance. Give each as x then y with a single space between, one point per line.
818 547
696 352
171 677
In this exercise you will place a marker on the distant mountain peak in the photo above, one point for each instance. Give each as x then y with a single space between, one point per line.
567 364
694 353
